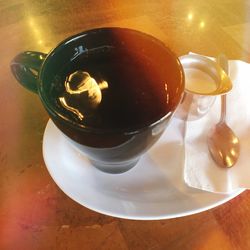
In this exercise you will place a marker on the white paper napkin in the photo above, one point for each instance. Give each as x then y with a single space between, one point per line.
200 171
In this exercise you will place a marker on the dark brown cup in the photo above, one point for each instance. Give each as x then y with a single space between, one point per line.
110 150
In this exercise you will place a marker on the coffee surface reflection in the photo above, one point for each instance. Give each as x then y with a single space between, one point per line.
84 85
116 88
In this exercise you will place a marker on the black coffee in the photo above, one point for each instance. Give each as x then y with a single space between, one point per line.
111 88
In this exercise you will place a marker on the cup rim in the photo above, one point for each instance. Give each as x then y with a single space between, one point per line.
127 131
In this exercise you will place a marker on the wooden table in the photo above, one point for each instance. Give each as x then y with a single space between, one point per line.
34 212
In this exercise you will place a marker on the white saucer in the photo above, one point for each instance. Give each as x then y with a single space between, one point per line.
153 189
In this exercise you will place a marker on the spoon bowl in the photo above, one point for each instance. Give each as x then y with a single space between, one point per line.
223 145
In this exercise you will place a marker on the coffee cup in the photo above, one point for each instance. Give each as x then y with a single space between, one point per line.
110 91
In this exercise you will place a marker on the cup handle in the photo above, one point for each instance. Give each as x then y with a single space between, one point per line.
26 66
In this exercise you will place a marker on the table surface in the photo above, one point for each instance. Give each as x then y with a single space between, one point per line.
34 212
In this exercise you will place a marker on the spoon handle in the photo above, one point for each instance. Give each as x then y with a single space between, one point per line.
223 62
223 108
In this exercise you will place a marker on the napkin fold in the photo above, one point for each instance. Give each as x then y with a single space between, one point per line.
200 171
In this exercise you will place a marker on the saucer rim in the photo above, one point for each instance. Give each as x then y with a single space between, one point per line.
227 197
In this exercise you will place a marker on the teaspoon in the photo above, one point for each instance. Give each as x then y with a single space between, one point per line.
223 144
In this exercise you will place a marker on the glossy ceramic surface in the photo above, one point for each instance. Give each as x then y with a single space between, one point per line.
152 190
111 150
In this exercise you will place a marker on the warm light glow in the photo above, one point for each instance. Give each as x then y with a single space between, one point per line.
235 140
202 24
71 109
167 99
232 151
37 32
220 154
86 85
190 16
166 87
31 22
229 162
